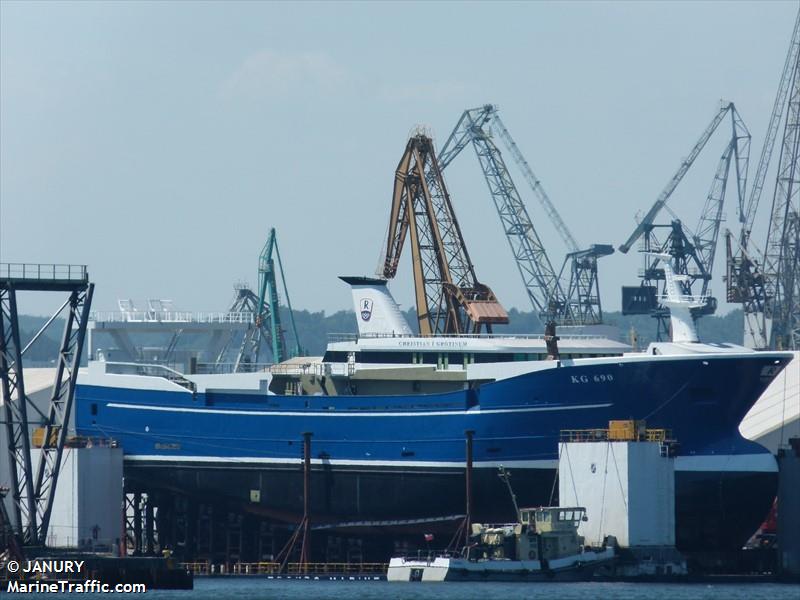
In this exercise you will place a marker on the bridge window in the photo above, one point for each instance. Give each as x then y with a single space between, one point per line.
492 357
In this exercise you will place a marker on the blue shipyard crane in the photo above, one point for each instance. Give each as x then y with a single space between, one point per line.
267 326
768 288
449 297
576 302
692 252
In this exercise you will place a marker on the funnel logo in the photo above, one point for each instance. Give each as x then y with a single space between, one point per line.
366 309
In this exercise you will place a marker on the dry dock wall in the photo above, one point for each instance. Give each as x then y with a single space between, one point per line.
38 388
87 512
627 488
789 508
88 507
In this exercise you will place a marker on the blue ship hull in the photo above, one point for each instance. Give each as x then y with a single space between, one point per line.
395 457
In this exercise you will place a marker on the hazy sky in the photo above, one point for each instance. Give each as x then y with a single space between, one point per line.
158 142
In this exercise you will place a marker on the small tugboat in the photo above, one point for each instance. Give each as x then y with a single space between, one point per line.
543 545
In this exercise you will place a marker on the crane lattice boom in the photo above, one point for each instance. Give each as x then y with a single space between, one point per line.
684 167
449 297
545 288
747 215
770 291
692 254
267 323
782 252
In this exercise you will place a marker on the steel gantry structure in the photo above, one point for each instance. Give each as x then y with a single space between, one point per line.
267 326
768 286
566 297
692 253
782 252
449 297
33 489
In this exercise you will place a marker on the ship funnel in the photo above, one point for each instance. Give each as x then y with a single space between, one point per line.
377 313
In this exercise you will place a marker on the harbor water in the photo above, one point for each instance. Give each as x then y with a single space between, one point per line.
251 588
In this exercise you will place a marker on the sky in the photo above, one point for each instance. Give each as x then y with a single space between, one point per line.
157 142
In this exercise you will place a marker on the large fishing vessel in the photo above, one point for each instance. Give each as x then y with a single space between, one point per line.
388 412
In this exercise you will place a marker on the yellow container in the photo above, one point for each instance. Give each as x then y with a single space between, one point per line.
37 439
626 431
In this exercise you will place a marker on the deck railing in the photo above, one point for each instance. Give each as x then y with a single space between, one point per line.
150 370
353 337
172 316
316 368
229 367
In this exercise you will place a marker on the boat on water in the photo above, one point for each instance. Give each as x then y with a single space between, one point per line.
543 545
388 410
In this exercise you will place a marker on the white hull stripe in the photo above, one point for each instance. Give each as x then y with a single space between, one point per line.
718 463
520 464
333 413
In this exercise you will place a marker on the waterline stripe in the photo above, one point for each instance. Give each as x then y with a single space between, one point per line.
520 464
707 463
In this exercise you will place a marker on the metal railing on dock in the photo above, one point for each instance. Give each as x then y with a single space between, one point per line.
337 568
627 430
43 272
608 435
273 568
